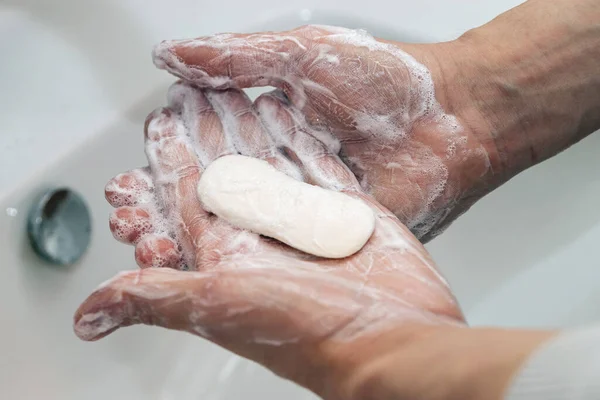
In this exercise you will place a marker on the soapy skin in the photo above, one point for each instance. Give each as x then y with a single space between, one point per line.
368 100
520 95
281 307
251 194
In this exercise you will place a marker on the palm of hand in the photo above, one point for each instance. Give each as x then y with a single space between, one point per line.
376 100
247 292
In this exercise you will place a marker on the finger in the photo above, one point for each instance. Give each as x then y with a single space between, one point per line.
130 224
241 124
203 124
131 188
176 170
318 161
231 60
158 251
245 130
246 305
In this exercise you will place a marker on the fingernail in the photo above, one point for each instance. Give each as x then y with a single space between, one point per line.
95 325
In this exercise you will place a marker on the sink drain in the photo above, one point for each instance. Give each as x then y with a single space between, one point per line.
60 226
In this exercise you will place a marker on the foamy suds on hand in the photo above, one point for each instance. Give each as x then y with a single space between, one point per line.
321 56
348 84
247 289
393 126
421 87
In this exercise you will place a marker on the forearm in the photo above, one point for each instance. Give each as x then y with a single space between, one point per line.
532 79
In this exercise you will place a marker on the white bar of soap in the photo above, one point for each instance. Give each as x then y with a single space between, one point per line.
251 194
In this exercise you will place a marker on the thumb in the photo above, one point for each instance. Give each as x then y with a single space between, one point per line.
245 305
152 297
230 60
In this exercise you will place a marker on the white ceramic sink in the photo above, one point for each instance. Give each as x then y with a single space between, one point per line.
76 83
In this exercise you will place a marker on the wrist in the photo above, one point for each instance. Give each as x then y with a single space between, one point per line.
446 363
527 83
347 370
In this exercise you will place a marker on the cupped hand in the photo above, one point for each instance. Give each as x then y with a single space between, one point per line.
388 110
305 317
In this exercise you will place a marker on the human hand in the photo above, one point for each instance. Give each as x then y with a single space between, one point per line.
312 320
381 103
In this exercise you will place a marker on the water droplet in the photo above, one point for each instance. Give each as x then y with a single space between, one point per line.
12 212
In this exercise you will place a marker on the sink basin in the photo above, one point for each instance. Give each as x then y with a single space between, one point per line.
39 301
77 84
